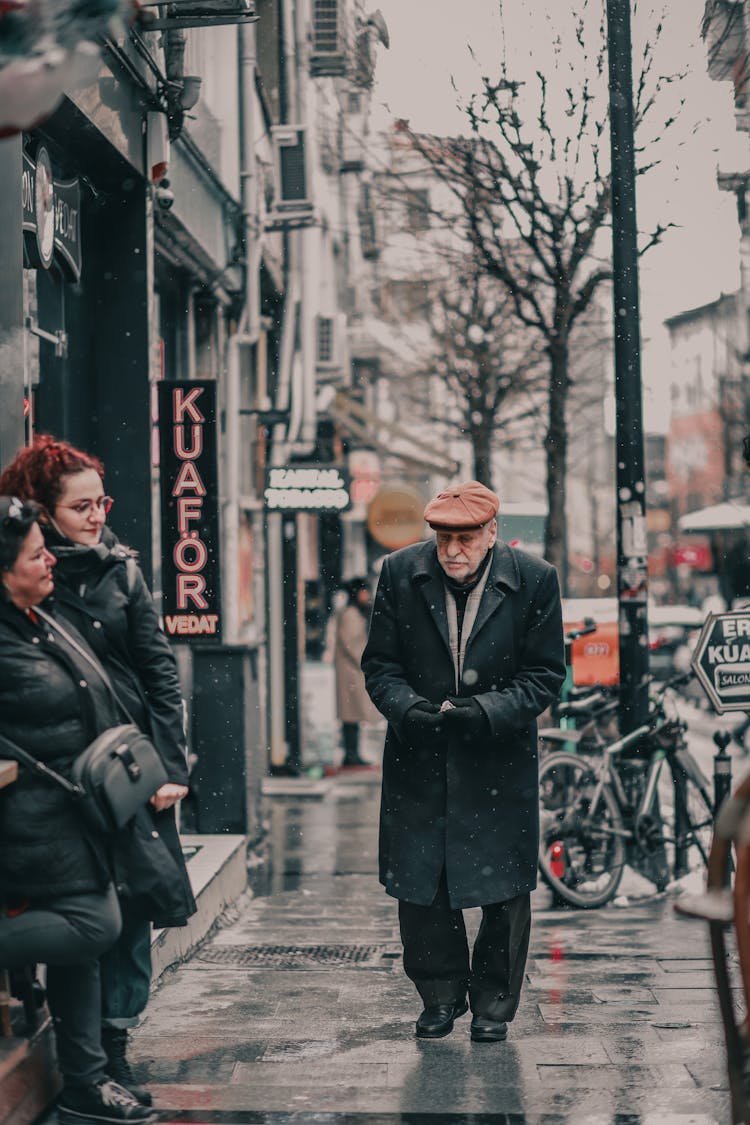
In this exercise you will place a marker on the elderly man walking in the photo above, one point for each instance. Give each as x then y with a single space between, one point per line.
465 650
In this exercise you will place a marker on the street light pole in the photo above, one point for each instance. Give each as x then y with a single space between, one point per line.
632 552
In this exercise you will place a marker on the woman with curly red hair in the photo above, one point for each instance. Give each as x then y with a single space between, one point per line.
100 588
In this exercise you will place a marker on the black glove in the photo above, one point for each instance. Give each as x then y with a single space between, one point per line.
466 718
423 721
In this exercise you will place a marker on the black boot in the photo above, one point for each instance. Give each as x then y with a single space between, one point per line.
115 1044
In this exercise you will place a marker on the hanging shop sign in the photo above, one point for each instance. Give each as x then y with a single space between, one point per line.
307 488
721 660
51 215
189 509
394 517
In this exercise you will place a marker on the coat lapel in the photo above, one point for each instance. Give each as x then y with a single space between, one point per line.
429 578
503 576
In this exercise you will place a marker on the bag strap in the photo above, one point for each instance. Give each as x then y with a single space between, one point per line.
38 767
89 657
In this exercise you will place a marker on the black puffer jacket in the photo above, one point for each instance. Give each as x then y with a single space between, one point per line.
102 591
110 604
52 704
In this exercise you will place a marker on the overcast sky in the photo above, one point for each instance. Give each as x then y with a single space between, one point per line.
429 53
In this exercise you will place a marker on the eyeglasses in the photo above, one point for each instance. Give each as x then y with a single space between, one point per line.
15 512
85 507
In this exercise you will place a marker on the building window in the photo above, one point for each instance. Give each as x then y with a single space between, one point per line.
325 26
408 300
418 210
325 339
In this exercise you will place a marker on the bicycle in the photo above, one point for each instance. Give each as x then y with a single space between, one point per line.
592 716
591 810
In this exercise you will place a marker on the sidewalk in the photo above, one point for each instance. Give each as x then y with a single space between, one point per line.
298 1005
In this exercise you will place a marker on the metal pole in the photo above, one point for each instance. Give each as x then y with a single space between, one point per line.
632 571
681 821
722 785
291 640
722 769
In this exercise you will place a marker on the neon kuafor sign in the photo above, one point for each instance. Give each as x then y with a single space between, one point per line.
189 510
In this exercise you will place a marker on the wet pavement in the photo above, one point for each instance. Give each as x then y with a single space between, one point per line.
297 1009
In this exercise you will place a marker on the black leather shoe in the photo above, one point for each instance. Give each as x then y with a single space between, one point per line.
485 1030
437 1019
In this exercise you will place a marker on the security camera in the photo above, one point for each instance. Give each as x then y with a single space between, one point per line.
164 195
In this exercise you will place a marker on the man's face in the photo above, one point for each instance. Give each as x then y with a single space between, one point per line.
460 553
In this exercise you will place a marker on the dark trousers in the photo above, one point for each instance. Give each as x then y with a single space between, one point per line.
68 934
126 972
436 953
350 737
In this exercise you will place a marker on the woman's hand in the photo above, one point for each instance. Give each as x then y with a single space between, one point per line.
168 795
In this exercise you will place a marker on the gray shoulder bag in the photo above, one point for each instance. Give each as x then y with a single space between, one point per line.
116 774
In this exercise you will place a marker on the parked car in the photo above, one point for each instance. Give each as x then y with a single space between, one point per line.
672 634
673 631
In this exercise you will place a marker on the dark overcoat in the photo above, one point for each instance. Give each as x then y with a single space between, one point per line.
471 807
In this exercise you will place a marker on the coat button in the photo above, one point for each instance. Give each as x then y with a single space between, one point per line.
82 683
35 640
97 624
155 835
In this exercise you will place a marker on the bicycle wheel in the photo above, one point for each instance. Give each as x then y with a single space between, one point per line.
695 829
581 854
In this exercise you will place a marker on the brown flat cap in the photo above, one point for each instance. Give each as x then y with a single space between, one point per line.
466 505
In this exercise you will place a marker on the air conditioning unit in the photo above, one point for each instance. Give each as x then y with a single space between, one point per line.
291 199
328 53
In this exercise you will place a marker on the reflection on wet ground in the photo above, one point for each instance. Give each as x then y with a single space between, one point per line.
198 1117
333 836
298 1009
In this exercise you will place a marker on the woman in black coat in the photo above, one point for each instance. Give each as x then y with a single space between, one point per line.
100 588
58 903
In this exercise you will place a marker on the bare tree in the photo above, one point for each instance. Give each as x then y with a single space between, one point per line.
532 184
485 360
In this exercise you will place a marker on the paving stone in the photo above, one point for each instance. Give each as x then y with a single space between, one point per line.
615 1077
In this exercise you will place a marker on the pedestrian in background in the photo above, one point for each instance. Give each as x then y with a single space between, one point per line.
353 705
59 905
101 590
465 651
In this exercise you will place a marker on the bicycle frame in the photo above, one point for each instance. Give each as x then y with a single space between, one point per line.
607 774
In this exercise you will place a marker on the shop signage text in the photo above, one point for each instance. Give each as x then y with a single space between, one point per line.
189 510
51 215
721 660
309 488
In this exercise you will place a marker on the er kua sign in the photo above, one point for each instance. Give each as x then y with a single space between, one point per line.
189 510
721 660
